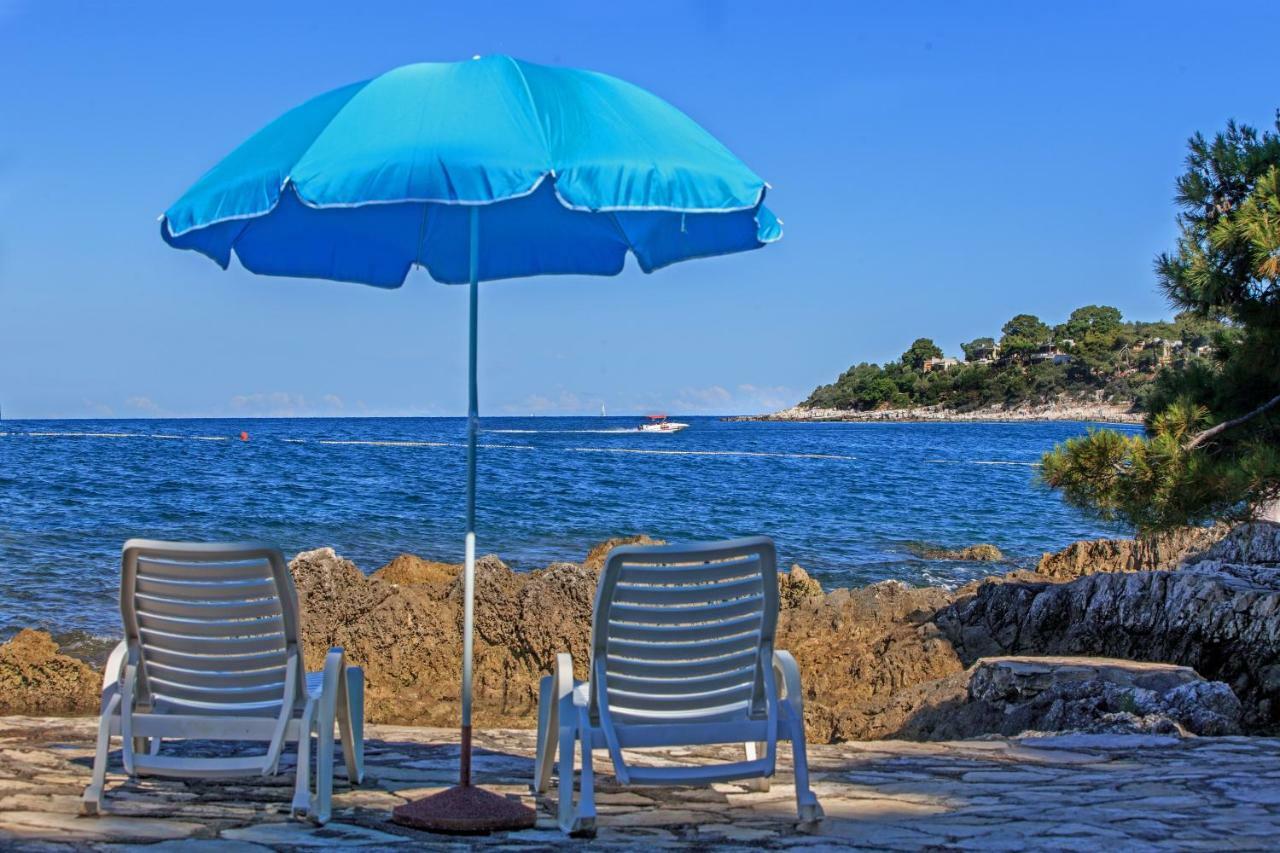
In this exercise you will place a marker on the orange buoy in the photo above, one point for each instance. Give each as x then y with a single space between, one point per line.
244 436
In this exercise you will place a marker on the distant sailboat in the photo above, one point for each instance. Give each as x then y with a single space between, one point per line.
602 412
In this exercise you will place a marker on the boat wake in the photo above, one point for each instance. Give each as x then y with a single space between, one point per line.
609 431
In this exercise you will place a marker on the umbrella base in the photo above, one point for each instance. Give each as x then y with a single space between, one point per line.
465 811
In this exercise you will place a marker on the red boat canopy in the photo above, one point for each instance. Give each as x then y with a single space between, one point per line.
655 417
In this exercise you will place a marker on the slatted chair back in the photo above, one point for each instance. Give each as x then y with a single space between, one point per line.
215 625
682 636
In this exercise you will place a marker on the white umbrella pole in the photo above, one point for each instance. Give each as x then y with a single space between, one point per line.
469 568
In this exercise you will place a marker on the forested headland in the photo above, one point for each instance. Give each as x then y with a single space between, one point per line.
1093 354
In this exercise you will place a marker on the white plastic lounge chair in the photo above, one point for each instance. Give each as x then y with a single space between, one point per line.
681 654
212 652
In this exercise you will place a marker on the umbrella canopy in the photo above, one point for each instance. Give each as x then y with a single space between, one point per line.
474 171
578 168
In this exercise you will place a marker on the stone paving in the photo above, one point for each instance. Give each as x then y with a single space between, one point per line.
1067 792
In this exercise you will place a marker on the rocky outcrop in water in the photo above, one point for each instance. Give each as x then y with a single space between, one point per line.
980 553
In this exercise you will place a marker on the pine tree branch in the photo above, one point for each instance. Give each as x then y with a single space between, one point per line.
1214 431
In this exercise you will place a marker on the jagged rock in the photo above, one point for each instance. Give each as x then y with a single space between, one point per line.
796 587
412 569
598 553
408 636
35 679
1257 544
555 614
1017 694
1161 551
858 649
1221 619
925 711
1205 708
406 639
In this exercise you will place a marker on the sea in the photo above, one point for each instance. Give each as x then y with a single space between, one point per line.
853 503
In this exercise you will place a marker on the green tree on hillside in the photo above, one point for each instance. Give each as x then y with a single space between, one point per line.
1093 323
1023 335
1091 334
1194 330
1212 444
920 351
977 346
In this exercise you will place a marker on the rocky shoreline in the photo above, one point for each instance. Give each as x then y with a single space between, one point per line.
1066 411
882 661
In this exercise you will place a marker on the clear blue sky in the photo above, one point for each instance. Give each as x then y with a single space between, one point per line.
939 166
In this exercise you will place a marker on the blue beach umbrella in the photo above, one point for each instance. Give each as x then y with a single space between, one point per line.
474 171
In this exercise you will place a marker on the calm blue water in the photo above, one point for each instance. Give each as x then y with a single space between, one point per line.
843 500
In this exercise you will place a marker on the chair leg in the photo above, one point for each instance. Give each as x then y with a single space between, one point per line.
754 750
351 724
548 729
578 819
91 802
564 791
302 784
791 724
807 806
320 804
585 821
334 684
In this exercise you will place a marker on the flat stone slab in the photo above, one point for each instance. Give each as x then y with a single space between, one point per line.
1030 673
1124 792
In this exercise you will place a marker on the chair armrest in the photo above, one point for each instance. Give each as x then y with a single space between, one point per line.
566 687
115 665
334 663
787 672
113 675
563 675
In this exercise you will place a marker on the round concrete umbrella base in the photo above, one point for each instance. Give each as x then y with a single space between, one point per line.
465 811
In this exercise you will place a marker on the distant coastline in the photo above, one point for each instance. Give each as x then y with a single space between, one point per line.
1067 411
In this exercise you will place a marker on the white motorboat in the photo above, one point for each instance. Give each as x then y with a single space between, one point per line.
659 423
